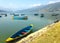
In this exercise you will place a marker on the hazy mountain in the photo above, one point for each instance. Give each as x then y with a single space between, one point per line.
2 9
51 7
6 10
46 8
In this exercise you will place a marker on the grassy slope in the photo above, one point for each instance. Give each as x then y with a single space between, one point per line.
49 34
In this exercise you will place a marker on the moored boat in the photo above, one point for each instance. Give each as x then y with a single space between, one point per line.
0 16
20 33
42 15
20 18
5 15
36 14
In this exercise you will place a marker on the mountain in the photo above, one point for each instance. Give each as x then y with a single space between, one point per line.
34 9
51 7
5 10
45 8
2 10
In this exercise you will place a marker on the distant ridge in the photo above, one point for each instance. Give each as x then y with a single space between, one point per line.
46 8
2 9
43 8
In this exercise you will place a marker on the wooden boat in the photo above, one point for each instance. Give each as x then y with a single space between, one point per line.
55 14
42 15
20 18
0 16
20 33
5 15
36 14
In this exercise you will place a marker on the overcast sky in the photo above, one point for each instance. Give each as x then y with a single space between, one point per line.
24 4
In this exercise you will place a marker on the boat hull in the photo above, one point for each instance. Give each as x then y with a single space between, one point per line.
20 18
21 33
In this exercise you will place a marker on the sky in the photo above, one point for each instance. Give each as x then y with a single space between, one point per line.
24 4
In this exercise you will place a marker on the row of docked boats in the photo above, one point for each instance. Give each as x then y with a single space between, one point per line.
3 14
55 14
21 33
16 16
41 15
19 17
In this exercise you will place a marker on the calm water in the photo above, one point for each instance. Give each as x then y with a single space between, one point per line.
8 26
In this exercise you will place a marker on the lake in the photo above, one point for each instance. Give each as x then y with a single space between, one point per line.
8 26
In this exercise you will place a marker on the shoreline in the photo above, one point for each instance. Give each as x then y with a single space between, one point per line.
40 33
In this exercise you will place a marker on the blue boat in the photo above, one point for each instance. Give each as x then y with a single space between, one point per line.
19 18
20 33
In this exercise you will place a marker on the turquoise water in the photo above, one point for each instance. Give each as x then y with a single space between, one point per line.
8 26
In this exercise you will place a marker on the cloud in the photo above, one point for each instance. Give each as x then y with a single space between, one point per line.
53 1
34 5
50 2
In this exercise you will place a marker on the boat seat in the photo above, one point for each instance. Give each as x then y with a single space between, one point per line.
24 33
